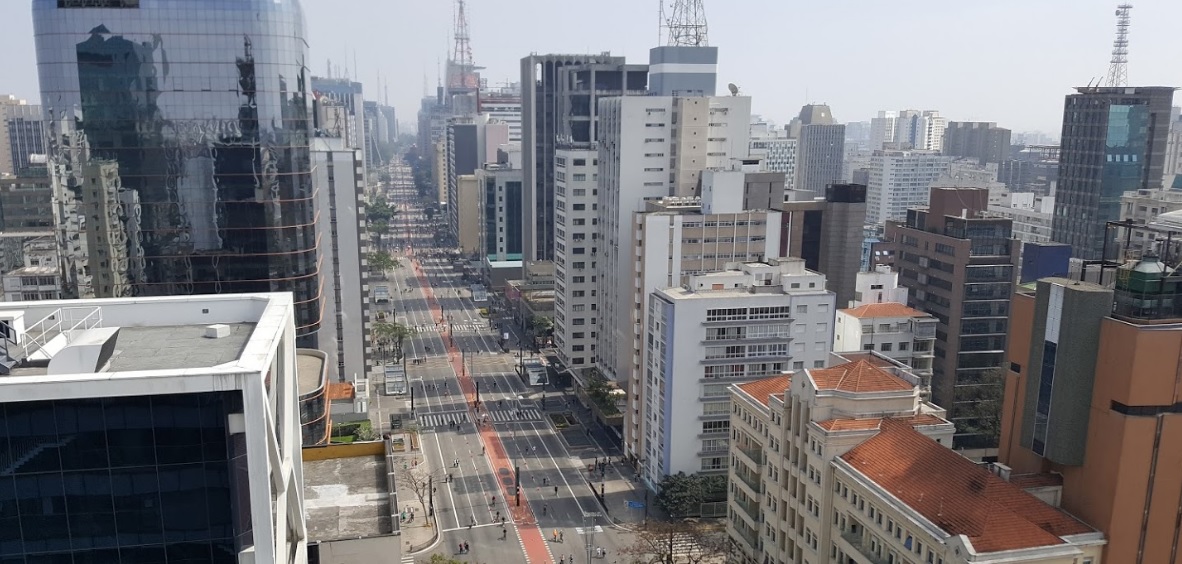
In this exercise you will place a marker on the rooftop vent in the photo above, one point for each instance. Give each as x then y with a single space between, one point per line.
217 331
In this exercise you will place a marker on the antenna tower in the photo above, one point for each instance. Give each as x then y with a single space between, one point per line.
687 25
1118 70
462 51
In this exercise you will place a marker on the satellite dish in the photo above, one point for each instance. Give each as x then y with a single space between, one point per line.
734 89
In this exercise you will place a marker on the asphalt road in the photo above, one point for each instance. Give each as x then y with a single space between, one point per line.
469 496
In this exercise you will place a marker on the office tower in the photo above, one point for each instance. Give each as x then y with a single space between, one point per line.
775 149
462 157
750 320
338 174
209 172
959 266
826 231
503 105
1173 164
920 130
347 94
1032 215
177 439
500 207
820 149
1031 168
465 209
1089 393
377 134
558 106
650 147
1123 131
22 136
26 203
849 464
576 229
882 129
901 180
857 135
984 141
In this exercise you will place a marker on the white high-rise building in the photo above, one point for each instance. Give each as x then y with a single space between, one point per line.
775 148
882 129
920 130
900 180
576 243
176 417
1032 214
649 147
752 320
338 173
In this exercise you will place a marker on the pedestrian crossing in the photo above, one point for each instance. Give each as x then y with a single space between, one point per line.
456 327
446 418
582 531
408 559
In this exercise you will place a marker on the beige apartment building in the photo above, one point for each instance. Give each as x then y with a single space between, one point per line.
849 465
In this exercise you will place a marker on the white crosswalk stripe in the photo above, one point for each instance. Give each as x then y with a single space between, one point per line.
458 328
442 419
583 531
507 415
408 559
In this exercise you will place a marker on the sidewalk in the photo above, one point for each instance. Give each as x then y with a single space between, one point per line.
419 531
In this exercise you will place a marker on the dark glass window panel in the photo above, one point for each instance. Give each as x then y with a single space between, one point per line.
143 555
81 427
88 498
130 432
49 559
10 524
43 512
33 437
189 553
183 505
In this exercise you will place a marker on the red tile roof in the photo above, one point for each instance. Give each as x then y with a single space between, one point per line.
860 376
873 423
761 389
957 495
885 309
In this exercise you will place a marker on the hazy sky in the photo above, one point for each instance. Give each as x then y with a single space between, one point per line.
1009 61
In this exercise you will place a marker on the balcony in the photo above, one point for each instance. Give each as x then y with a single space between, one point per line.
749 537
751 509
753 455
751 481
854 548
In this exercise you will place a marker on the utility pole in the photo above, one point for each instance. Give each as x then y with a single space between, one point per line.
589 529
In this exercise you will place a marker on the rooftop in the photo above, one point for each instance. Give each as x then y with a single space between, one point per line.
957 495
174 347
310 370
35 271
875 423
885 309
861 376
346 498
762 389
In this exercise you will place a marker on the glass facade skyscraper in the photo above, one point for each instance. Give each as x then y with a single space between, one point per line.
1114 141
178 135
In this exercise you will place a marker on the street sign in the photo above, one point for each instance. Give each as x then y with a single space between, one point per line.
635 504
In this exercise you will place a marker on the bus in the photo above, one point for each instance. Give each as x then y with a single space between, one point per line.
395 384
381 294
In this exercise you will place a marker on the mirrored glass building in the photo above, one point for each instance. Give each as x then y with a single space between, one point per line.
178 139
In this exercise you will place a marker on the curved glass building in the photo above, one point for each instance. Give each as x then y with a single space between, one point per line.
178 134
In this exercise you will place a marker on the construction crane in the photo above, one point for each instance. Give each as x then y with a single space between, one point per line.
1118 69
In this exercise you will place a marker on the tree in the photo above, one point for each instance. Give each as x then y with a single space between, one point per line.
379 210
381 261
682 495
441 559
977 410
667 542
600 391
393 333
414 478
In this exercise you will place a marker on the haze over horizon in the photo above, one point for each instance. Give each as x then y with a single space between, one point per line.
1007 61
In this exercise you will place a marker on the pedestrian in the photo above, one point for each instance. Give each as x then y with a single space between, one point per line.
559 536
465 546
555 490
504 534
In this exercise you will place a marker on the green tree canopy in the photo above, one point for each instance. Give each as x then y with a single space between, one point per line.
392 333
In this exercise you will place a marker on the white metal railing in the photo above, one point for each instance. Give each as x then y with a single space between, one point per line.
65 321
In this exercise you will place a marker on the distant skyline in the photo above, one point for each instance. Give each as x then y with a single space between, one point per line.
1006 61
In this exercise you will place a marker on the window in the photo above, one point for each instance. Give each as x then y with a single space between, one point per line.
886 347
715 427
802 309
903 346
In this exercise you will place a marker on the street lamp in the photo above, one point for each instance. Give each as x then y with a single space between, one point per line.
589 528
